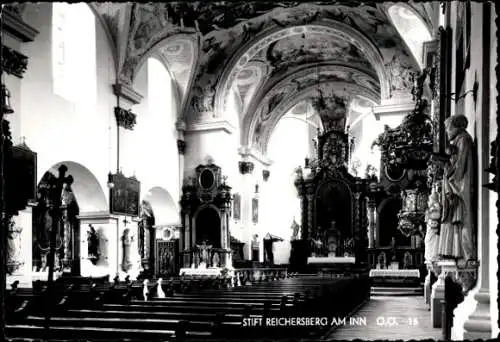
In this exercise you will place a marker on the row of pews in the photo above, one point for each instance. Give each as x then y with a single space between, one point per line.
185 308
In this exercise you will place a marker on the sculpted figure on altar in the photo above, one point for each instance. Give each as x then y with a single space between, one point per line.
457 235
204 249
432 219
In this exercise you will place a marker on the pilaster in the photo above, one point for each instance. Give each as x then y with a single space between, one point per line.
181 149
371 205
246 169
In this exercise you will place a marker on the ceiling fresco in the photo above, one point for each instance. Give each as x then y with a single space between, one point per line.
179 55
252 46
329 99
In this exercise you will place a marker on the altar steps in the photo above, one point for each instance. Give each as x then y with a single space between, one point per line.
396 291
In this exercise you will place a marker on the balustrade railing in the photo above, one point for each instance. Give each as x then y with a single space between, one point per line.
406 257
216 258
248 276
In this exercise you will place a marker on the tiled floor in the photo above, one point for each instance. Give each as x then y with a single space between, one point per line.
390 318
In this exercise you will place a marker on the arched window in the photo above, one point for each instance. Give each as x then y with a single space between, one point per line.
74 52
411 28
161 90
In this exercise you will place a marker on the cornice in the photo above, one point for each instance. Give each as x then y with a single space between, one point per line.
205 126
393 109
126 92
14 25
252 153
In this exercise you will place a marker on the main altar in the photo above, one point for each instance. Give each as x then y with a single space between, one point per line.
205 237
333 203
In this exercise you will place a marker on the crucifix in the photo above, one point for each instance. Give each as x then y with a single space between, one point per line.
125 222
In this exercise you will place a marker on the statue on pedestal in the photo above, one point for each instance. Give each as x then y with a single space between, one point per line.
433 219
126 242
457 235
93 244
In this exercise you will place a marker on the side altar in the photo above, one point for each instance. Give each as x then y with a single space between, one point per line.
205 237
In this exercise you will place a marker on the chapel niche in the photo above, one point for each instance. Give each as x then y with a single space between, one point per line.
206 208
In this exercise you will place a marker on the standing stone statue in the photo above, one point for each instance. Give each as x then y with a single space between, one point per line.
93 244
126 243
457 236
432 219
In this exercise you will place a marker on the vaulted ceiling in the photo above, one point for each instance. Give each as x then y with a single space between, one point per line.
273 54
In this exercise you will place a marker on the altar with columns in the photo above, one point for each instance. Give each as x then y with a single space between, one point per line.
205 236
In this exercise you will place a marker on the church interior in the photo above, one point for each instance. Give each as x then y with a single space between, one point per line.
252 170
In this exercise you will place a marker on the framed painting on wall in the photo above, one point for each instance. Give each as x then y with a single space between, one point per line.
124 196
255 210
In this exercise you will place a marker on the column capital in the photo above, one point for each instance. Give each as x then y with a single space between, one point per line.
14 25
125 118
246 167
13 62
181 146
265 175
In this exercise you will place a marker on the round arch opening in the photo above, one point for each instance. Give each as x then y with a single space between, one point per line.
86 187
165 209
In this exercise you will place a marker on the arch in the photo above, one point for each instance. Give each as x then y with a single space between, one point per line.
411 27
327 27
214 219
165 209
288 103
88 192
361 74
154 51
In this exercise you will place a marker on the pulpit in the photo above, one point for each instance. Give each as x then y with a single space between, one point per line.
205 237
333 202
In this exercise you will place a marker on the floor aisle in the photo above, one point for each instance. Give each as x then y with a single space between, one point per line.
390 318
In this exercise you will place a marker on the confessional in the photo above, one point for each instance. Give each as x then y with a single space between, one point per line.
333 204
204 236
